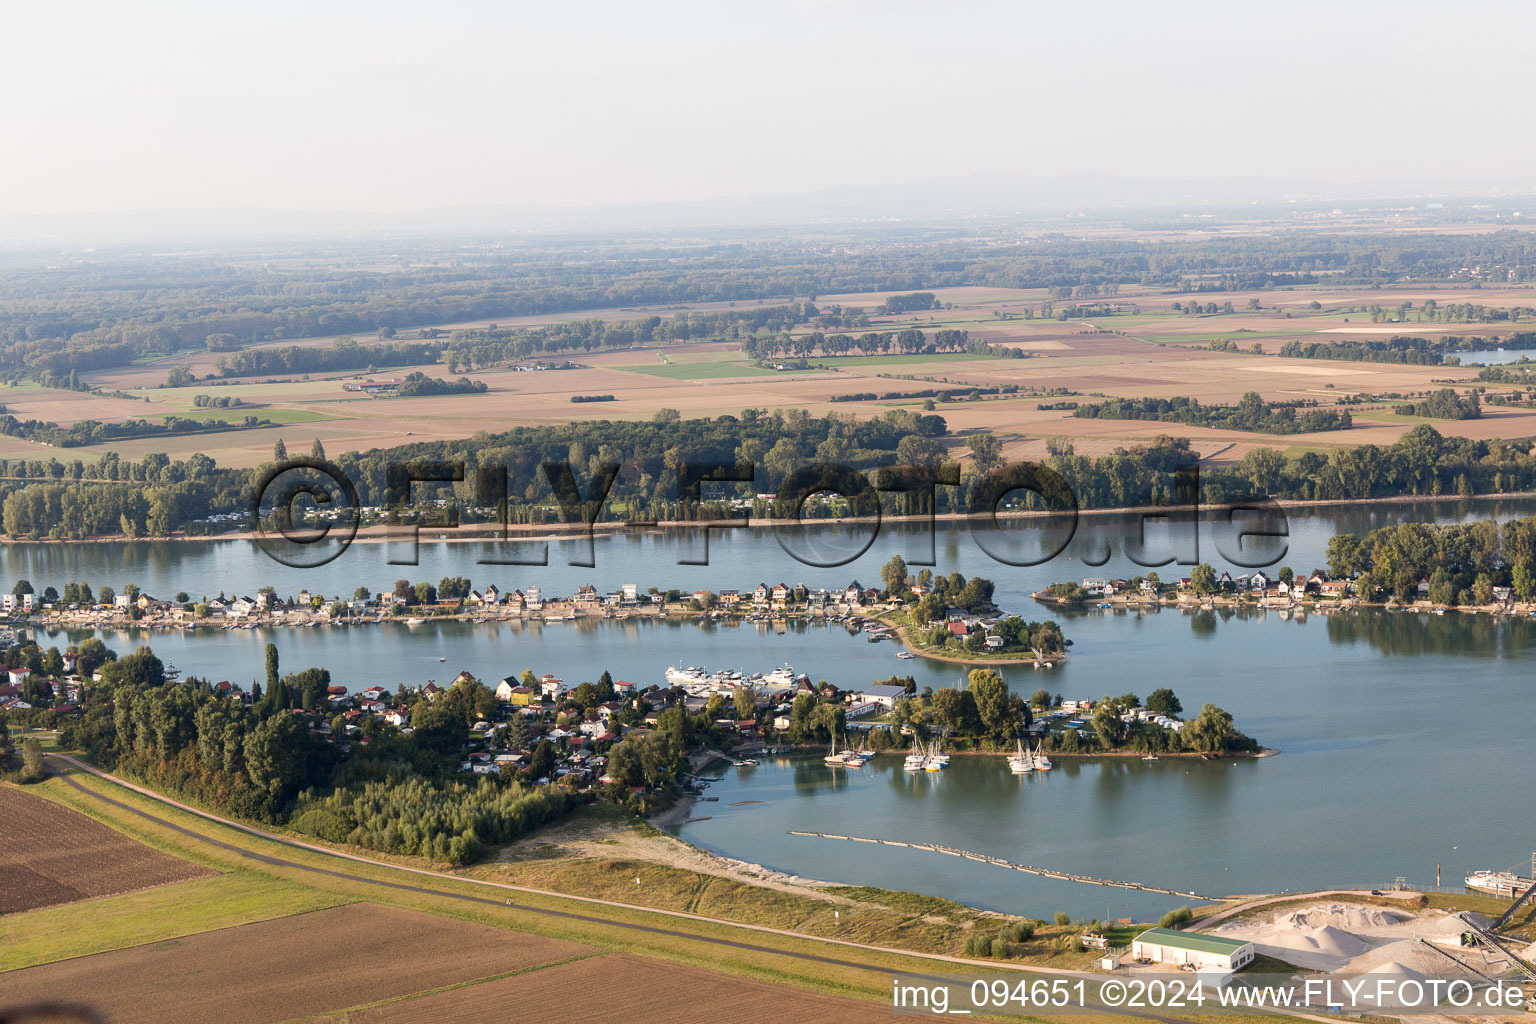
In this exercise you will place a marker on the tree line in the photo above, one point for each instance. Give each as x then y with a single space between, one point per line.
1251 413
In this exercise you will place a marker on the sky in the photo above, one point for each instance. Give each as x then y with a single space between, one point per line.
384 106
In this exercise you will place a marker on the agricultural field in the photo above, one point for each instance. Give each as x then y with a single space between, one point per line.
292 967
1148 349
53 855
621 989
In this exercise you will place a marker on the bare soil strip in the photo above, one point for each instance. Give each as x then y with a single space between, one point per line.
53 855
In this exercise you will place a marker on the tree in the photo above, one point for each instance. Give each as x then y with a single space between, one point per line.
1040 700
923 452
32 767
7 747
542 761
990 695
272 677
317 450
21 588
515 736
91 655
1211 731
1108 725
986 451
1162 701
279 451
746 703
1202 578
894 575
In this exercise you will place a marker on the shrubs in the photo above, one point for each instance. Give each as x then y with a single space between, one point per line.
1176 918
1062 918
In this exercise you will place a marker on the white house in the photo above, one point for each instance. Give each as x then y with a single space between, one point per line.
885 696
1204 952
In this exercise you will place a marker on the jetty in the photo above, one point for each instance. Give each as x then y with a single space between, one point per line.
1026 868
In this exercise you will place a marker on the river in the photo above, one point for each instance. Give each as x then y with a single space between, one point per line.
1399 732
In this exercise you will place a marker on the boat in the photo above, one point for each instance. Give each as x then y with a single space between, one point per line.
442 659
413 621
906 655
916 759
833 757
1042 763
1499 883
1021 762
1149 757
937 761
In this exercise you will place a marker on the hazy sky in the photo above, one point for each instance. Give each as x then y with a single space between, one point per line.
396 106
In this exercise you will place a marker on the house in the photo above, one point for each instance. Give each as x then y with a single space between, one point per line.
853 593
19 676
464 677
871 595
586 596
551 687
1259 582
242 606
623 688
120 601
492 594
995 642
885 696
959 628
1423 586
518 600
475 597
399 717
1094 584
1333 588
780 593
1204 952
517 696
1502 593
728 598
760 593
629 593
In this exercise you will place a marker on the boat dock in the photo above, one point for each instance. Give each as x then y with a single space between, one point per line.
1026 868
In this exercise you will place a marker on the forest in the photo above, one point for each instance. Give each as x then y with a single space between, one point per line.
1250 413
279 759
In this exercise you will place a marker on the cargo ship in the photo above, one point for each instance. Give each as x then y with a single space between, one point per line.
1499 883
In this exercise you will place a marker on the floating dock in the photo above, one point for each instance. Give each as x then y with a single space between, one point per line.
1026 868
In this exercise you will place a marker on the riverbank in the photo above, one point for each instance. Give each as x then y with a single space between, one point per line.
480 533
1319 606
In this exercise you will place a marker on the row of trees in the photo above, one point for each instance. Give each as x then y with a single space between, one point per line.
1250 413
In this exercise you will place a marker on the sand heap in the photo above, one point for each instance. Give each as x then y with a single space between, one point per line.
1333 936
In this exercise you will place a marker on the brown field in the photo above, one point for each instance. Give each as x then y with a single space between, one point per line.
623 989
1157 353
53 855
292 967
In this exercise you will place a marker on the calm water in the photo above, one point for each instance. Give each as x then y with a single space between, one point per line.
1494 357
1405 737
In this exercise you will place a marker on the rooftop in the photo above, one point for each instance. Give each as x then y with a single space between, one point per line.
1190 940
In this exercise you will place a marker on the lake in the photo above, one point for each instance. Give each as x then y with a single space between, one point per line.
1399 732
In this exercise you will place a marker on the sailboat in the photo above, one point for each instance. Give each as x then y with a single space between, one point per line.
833 757
937 761
915 760
856 758
1021 762
1042 763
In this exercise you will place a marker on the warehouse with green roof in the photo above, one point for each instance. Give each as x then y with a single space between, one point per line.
1205 952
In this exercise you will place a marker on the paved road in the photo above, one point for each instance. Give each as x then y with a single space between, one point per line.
988 966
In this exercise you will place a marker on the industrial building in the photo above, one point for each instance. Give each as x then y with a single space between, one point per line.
1205 952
